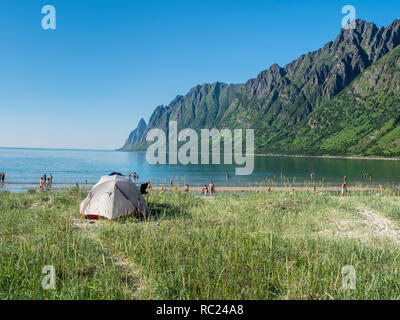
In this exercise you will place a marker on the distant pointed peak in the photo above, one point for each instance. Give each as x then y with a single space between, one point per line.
142 122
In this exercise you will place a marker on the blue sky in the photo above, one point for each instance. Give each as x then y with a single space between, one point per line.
111 62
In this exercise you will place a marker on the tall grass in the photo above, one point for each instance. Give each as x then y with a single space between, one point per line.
274 245
36 230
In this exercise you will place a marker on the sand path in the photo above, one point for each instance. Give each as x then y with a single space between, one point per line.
383 227
135 283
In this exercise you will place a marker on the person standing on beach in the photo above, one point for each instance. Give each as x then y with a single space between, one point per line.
204 191
171 183
186 189
3 177
41 184
344 189
212 189
134 176
148 187
129 176
51 178
312 175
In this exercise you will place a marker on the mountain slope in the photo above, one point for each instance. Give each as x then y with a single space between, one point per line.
294 109
202 107
279 98
135 136
364 119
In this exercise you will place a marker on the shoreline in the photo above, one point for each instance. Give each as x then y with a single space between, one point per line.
255 154
300 156
229 189
327 157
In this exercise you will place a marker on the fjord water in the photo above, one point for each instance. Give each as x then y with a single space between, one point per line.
24 167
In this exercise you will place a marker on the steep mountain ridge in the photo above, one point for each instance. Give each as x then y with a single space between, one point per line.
136 135
281 102
364 119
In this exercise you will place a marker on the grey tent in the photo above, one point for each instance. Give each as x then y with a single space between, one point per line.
112 197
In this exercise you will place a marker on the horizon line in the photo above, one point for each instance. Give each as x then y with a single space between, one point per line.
54 148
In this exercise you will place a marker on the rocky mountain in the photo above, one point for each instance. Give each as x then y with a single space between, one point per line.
135 136
203 107
364 119
299 108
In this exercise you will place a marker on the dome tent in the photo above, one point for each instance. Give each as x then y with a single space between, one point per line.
113 196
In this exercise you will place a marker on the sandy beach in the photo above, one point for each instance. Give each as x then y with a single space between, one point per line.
276 189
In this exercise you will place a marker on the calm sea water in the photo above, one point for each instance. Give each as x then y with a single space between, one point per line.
24 167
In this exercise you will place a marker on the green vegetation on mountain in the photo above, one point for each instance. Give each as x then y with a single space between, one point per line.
340 100
362 120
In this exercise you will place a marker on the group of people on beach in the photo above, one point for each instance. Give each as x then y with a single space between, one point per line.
344 189
344 192
45 182
210 189
171 183
205 190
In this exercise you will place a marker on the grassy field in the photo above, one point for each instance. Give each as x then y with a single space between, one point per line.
274 245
